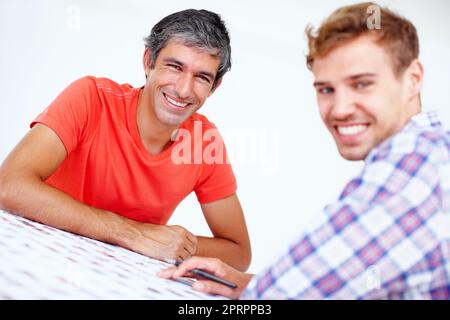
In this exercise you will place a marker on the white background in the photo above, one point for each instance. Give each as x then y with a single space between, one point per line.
285 161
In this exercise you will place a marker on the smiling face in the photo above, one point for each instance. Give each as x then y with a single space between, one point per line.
180 82
361 101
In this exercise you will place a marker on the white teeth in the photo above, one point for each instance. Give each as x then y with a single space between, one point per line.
351 130
176 103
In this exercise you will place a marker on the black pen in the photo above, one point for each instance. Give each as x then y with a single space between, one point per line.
208 276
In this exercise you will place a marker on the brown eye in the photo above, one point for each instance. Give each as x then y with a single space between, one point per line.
203 78
174 66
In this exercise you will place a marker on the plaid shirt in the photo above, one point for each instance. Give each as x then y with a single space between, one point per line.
387 236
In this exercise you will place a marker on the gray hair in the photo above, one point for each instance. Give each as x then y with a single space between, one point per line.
197 28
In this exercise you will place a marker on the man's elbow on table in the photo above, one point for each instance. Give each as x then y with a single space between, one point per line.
6 191
246 258
11 188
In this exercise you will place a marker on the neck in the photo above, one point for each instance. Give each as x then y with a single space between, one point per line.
409 110
155 136
414 107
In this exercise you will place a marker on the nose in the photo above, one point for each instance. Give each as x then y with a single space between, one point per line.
184 86
343 105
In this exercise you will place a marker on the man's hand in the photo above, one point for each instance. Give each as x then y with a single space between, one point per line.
162 242
214 266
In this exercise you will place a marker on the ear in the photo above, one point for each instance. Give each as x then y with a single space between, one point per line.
147 61
217 85
414 78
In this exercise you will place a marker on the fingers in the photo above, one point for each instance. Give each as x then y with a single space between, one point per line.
169 273
190 249
189 236
183 255
212 265
170 242
192 238
188 242
211 287
166 273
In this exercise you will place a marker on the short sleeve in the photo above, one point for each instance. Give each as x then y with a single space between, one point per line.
70 113
217 180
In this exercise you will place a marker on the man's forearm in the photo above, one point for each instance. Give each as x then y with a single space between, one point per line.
38 201
226 250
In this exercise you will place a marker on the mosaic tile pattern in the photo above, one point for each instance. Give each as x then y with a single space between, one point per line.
41 262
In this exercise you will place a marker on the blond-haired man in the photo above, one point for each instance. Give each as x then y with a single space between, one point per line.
387 235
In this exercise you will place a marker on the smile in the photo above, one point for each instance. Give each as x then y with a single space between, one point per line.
175 103
351 130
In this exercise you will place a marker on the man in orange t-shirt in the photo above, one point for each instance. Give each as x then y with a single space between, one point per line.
112 162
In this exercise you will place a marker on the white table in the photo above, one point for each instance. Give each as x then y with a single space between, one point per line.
41 262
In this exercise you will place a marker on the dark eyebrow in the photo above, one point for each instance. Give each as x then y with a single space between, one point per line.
354 77
362 75
320 83
173 60
181 64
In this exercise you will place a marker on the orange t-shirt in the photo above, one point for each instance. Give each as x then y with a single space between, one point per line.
107 166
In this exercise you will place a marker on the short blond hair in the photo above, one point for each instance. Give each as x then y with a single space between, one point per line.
396 34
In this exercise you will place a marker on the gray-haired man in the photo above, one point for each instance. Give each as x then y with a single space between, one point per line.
99 161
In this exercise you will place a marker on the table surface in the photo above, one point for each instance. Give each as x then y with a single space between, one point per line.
41 262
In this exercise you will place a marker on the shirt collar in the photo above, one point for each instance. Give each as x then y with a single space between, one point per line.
423 120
